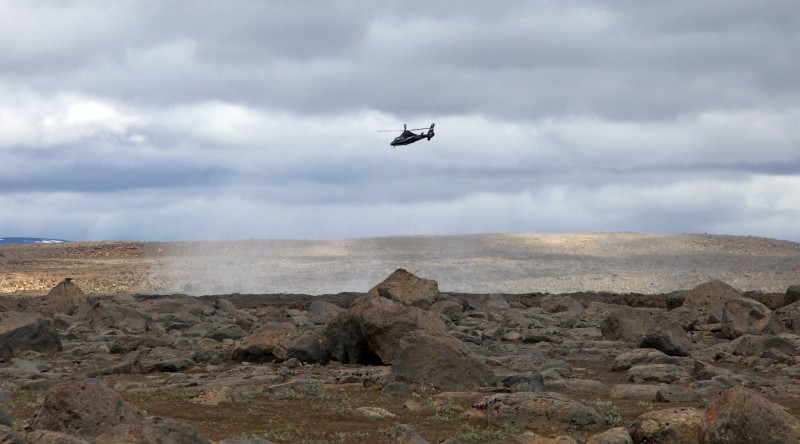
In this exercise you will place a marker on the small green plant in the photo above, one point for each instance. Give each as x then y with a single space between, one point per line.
609 412
649 406
285 395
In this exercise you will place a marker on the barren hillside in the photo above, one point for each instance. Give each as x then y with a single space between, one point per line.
502 263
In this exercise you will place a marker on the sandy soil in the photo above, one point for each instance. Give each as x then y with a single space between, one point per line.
486 263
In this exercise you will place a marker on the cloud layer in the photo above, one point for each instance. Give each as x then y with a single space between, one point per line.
185 120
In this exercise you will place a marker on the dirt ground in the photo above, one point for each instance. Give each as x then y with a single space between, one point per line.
487 263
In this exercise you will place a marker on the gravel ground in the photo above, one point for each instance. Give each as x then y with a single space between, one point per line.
485 263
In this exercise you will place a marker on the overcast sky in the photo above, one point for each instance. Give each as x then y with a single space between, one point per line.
169 120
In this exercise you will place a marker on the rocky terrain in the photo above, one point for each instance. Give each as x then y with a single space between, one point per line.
405 361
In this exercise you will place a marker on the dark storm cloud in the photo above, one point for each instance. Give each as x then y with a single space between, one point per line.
258 119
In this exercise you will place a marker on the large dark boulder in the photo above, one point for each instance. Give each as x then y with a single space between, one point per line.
623 323
259 346
668 337
65 298
741 415
26 331
407 289
745 316
83 409
710 297
541 410
440 361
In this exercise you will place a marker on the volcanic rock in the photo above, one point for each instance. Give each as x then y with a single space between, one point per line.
154 431
676 425
792 295
321 312
26 331
260 345
65 297
407 289
746 316
740 415
440 361
539 410
628 359
668 337
623 323
617 435
710 297
83 409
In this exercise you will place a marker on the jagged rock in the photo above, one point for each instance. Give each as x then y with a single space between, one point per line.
83 409
656 373
617 435
534 410
9 303
531 382
623 323
380 324
50 437
710 297
306 347
676 425
321 312
129 343
228 331
155 430
406 434
634 391
755 345
26 331
789 316
668 337
440 361
560 304
677 393
104 314
792 295
162 359
344 339
407 289
65 298
740 415
640 356
746 316
260 345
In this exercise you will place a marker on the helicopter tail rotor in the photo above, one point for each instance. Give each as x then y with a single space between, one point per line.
430 132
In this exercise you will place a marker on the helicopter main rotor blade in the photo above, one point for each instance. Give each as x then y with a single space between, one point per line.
386 131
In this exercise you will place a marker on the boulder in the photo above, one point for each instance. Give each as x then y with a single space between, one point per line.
26 331
746 316
675 425
656 373
344 339
162 359
407 289
623 323
227 331
792 295
646 392
709 297
628 359
668 337
321 312
440 361
306 347
406 434
155 430
755 345
259 346
384 322
530 382
83 409
65 298
107 313
740 415
560 304
540 410
617 435
789 316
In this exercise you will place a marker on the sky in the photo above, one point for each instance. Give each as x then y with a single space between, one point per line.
189 120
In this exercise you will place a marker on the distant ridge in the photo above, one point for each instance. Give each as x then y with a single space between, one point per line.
30 240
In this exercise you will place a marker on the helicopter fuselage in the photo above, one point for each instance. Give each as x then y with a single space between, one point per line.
407 138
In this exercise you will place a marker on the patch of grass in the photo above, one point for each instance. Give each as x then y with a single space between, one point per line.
448 412
285 395
276 431
338 404
470 433
609 411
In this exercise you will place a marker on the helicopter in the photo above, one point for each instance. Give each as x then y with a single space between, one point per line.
407 137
